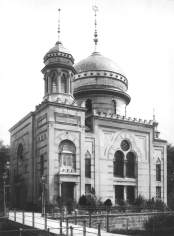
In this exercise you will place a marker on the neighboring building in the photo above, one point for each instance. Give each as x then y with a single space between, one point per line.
80 137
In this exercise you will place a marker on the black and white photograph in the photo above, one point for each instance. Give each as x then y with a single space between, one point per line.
87 117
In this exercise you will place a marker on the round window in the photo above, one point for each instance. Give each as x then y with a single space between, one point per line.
125 145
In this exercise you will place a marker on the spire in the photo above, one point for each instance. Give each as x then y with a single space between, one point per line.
95 9
58 31
154 115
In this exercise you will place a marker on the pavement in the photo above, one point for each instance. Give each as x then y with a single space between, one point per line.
54 225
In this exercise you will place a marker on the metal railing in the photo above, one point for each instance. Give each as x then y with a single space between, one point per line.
42 223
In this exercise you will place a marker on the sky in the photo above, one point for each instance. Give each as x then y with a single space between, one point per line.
137 34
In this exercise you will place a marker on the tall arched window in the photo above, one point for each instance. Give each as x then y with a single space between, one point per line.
88 105
130 165
158 170
64 84
20 152
114 106
88 164
118 164
54 82
20 157
67 152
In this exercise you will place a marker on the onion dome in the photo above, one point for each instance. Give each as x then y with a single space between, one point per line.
58 54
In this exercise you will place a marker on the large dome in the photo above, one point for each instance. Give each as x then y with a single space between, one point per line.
97 62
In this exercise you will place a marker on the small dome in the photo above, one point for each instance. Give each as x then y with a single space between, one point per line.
97 62
59 48
58 51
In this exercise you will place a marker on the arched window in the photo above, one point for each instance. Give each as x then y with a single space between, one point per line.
130 165
67 152
118 164
88 105
64 84
54 82
158 170
88 164
114 106
20 152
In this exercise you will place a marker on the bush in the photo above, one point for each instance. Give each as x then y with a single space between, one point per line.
160 223
82 200
108 203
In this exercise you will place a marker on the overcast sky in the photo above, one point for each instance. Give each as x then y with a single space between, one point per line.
137 34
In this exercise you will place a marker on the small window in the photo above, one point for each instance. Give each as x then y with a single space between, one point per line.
41 165
88 165
54 81
158 192
125 146
87 188
88 105
158 171
114 106
64 82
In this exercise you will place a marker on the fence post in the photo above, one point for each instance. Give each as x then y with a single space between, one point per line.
67 226
45 221
14 214
127 223
107 222
60 225
99 229
84 228
89 219
20 231
71 231
33 219
75 217
48 231
23 217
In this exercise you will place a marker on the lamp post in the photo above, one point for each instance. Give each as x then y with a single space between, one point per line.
4 194
43 195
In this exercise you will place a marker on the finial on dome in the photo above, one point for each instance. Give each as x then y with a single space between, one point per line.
95 9
154 115
58 31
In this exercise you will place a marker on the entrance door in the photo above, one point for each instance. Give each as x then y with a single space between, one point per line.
119 194
67 191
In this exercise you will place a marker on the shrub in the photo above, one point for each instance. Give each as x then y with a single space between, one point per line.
82 200
108 203
160 223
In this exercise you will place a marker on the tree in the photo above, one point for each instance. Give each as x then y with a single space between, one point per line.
170 176
4 169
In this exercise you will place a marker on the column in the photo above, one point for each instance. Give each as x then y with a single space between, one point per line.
125 193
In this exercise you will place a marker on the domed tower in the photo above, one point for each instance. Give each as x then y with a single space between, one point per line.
101 84
58 73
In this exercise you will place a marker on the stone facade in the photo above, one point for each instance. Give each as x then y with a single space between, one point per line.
80 138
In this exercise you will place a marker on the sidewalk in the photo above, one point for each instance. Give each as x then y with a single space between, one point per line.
54 225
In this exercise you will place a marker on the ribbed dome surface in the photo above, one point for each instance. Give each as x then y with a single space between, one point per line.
97 62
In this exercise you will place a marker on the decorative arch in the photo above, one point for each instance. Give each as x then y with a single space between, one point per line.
67 155
116 139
